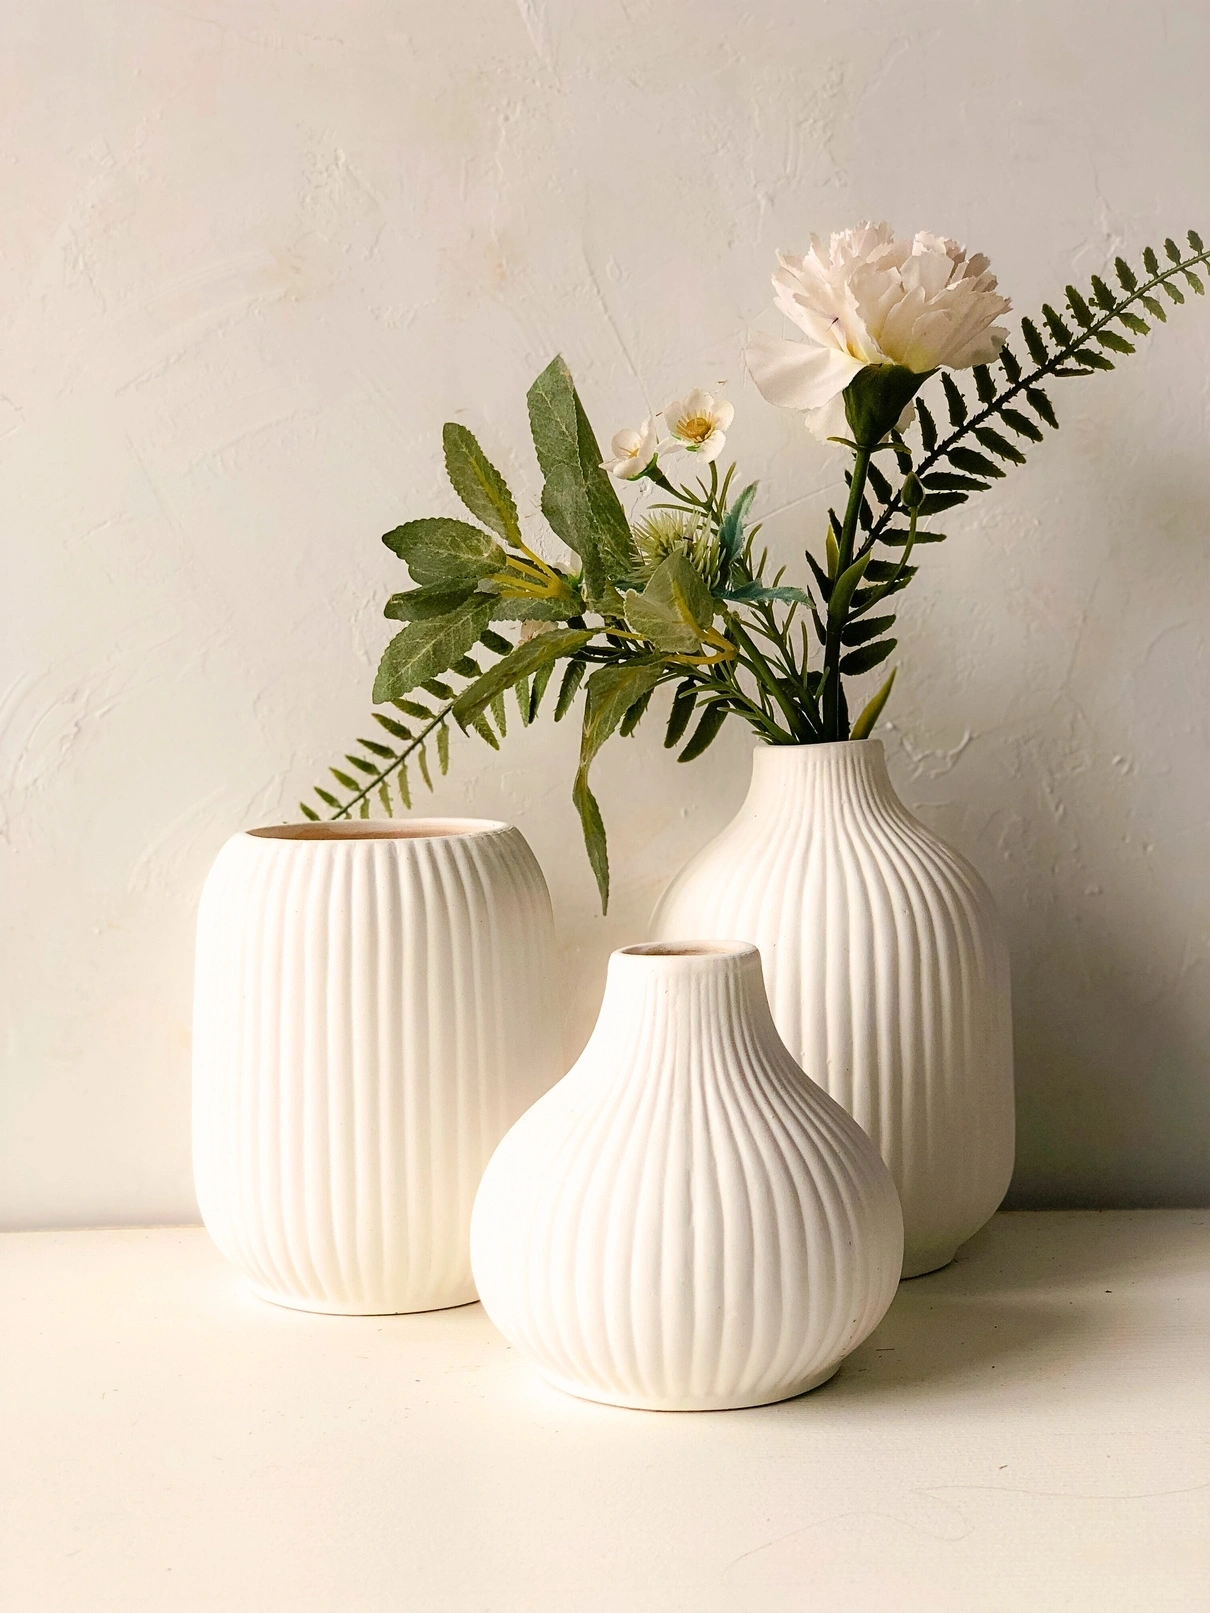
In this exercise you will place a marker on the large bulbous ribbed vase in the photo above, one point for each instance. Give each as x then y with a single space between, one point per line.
887 973
372 1013
685 1222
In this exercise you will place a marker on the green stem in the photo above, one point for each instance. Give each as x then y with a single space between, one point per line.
832 722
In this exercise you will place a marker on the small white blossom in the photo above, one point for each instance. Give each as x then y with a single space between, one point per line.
698 424
633 451
867 298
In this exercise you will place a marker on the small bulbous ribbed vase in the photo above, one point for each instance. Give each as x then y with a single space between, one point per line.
685 1222
887 973
372 1013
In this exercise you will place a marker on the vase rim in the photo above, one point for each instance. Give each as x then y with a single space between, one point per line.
359 830
823 745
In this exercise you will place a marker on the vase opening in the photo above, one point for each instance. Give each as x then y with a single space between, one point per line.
689 949
418 829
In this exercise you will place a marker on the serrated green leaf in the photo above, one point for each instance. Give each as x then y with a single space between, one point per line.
1021 424
1115 343
822 579
384 795
467 667
499 714
1012 367
1092 359
867 657
1033 340
397 729
422 762
1126 275
344 780
864 725
1040 403
955 402
418 604
1105 298
707 731
569 687
1173 293
376 749
1173 251
862 631
899 536
435 686
485 731
675 609
307 813
999 444
865 598
1061 335
363 807
523 608
935 503
1194 240
881 570
405 787
942 481
424 649
495 642
634 716
439 550
542 650
327 798
478 483
578 498
928 427
412 708
1192 280
683 702
1150 262
1079 307
612 690
443 749
977 464
538 687
985 386
882 488
731 528
1132 322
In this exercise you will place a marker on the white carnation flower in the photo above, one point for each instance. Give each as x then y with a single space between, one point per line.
868 298
698 424
633 451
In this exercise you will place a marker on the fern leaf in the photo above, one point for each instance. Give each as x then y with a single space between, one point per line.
499 713
1174 293
1105 298
683 702
405 787
485 731
384 795
413 708
327 798
985 386
439 690
1040 404
542 679
1012 366
1173 251
1033 340
882 488
1150 262
999 444
362 766
443 749
928 427
1114 342
1058 330
1192 280
1021 424
495 642
976 464
376 749
1079 307
307 813
343 779
392 727
1140 327
363 808
706 732
954 400
573 677
422 762
1126 275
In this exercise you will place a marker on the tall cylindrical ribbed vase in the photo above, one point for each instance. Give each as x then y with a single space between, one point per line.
685 1222
887 972
371 1015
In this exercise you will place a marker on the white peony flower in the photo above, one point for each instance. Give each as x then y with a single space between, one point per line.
697 424
633 452
868 298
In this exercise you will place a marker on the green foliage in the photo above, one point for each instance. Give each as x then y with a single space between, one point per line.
695 606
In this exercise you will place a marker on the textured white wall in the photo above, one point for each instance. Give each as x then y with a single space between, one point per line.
254 254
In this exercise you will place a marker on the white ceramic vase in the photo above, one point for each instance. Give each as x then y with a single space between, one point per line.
372 1013
685 1222
887 973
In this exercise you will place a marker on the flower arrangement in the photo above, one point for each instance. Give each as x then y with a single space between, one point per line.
676 593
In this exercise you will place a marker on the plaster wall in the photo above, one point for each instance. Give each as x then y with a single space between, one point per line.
255 253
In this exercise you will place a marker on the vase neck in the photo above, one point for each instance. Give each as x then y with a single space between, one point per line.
821 780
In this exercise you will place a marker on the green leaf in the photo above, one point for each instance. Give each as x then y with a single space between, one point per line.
612 691
683 702
1033 340
822 579
426 648
495 642
1105 298
521 608
375 749
876 397
1115 343
307 813
418 604
443 749
999 444
928 427
954 400
578 498
985 386
541 651
882 488
413 708
363 807
343 779
842 593
1195 241
757 592
1021 424
864 725
936 503
1040 403
485 731
439 550
706 732
731 529
405 786
978 464
500 714
327 798
899 536
384 795
941 481
391 726
1140 327
434 686
861 632
541 678
1058 330
634 716
569 687
1173 251
1012 367
867 657
675 609
467 667
1079 307
864 598
360 763
1150 262
1192 280
478 483
1126 275
1173 293
1090 357
881 570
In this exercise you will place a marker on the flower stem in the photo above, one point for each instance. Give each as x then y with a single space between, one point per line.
832 711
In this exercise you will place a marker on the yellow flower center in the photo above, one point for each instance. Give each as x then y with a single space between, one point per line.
697 428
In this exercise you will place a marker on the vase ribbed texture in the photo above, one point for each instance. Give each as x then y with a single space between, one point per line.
685 1222
886 968
371 1015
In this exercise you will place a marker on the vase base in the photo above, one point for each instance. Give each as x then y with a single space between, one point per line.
920 1265
723 1403
320 1307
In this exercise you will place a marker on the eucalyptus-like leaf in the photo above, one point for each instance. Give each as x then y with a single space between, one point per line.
439 550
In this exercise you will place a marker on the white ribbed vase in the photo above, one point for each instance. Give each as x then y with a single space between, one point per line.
685 1222
887 973
371 1015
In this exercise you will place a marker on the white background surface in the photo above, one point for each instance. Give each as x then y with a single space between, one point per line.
1026 1432
254 254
